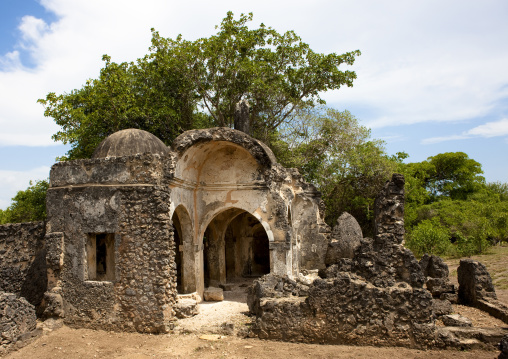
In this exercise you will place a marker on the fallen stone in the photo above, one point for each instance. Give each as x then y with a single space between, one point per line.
490 337
186 308
456 320
438 286
213 294
441 307
434 266
494 307
228 327
211 337
451 297
17 321
475 282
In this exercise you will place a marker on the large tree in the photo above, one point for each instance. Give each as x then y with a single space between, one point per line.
184 84
145 94
335 153
276 73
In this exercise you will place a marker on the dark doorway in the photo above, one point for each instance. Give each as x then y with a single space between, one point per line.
177 235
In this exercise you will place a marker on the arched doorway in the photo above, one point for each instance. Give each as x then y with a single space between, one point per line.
235 246
184 251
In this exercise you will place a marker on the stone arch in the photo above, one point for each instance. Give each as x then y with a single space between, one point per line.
184 250
261 152
236 245
222 172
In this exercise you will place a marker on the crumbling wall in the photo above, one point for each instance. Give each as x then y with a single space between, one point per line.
438 284
374 298
23 260
342 310
310 233
136 216
17 322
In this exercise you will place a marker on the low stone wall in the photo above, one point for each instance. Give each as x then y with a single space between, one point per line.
17 322
23 260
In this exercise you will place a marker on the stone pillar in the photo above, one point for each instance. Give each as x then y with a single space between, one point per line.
389 211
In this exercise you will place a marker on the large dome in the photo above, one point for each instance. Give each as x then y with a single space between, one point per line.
130 142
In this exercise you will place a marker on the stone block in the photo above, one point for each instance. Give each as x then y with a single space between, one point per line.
451 297
186 308
503 346
441 307
437 286
475 282
213 294
345 238
456 320
434 266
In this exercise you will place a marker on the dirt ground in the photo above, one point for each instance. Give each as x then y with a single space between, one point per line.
204 336
83 343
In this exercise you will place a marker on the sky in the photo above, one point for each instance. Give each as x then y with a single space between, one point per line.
432 77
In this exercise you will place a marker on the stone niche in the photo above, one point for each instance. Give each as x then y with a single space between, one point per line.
140 222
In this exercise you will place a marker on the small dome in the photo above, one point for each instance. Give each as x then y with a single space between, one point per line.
128 143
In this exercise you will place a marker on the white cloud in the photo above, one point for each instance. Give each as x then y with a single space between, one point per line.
490 129
32 28
433 140
417 64
13 181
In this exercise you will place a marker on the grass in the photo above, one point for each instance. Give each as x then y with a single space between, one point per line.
495 259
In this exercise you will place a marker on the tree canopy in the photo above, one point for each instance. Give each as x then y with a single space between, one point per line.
449 207
181 84
335 153
28 205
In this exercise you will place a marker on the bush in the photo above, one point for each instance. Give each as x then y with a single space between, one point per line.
429 237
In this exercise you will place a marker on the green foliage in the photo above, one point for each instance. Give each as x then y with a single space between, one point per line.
147 95
182 85
276 73
332 151
453 175
28 205
448 190
429 237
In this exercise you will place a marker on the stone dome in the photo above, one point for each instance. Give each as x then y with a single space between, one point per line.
128 143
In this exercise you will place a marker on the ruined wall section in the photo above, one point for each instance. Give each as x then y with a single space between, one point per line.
17 322
23 260
374 298
310 233
126 201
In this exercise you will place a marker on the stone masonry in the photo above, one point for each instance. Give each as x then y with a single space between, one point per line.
374 298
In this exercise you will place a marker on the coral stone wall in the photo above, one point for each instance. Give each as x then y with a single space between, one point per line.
17 322
374 298
127 204
23 260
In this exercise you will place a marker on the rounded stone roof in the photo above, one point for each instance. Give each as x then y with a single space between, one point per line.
128 143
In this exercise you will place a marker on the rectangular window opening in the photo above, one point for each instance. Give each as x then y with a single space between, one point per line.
100 251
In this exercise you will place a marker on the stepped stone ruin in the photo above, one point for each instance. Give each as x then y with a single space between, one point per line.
141 232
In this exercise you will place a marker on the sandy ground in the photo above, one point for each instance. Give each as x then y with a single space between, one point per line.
82 343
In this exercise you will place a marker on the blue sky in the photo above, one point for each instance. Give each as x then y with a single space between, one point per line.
432 77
